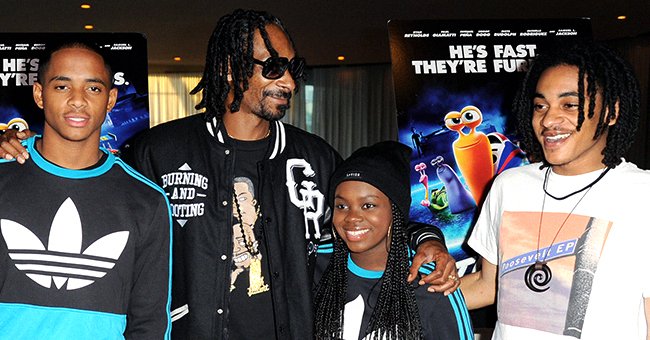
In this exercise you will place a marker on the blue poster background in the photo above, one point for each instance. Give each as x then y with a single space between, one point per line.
125 52
454 85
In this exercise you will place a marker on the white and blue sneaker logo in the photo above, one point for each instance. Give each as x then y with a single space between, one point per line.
62 261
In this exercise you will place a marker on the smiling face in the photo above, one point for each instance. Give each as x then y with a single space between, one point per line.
362 216
241 257
75 95
269 98
555 120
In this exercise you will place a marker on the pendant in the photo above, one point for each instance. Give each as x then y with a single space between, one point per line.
538 277
255 279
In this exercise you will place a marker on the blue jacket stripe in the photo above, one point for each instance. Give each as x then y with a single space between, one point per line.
325 248
129 170
468 321
459 318
17 322
464 325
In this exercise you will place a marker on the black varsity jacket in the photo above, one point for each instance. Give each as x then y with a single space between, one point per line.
193 162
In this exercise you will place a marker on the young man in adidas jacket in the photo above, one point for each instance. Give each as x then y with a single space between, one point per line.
85 246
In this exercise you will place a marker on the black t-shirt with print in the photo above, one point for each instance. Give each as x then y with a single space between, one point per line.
250 305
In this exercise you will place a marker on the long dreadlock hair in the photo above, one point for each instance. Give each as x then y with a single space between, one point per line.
607 74
395 315
231 49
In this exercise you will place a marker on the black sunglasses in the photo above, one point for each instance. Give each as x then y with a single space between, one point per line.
274 67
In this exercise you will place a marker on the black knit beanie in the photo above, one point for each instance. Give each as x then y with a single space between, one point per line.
385 166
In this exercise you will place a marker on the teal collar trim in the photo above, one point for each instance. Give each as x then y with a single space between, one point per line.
364 273
63 172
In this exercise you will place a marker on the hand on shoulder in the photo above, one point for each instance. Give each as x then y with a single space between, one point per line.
11 147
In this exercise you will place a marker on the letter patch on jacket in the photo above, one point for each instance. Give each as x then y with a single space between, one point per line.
187 192
305 195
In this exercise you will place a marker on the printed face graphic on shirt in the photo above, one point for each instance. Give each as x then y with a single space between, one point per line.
241 257
247 203
246 256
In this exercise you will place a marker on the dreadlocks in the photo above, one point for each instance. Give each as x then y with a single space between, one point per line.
607 74
395 315
230 50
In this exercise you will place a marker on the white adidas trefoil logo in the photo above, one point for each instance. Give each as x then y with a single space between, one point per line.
63 260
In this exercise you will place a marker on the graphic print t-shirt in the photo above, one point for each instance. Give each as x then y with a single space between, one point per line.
572 259
250 306
587 241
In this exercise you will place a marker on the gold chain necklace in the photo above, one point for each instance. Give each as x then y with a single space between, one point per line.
268 133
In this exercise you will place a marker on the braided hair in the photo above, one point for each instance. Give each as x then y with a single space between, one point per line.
230 50
395 315
607 74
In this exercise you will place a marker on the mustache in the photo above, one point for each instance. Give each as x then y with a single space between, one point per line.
553 129
277 93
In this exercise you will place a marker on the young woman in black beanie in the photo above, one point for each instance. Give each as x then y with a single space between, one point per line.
363 292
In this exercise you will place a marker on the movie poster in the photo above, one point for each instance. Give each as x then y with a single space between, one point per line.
127 54
454 85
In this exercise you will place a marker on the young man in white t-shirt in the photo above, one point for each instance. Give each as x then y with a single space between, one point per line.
560 237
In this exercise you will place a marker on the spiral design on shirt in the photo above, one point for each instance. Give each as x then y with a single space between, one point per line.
538 277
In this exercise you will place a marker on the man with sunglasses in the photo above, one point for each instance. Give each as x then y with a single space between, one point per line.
266 230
